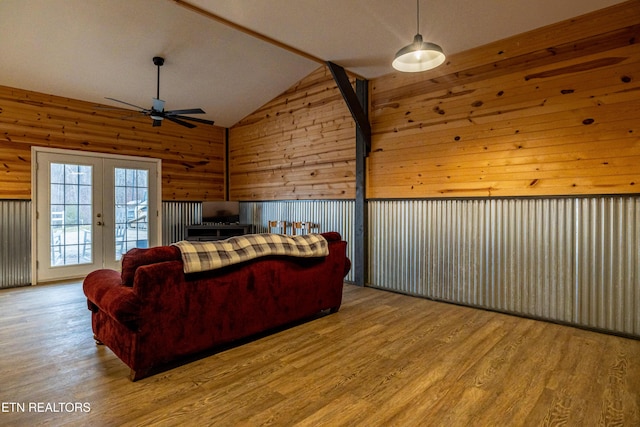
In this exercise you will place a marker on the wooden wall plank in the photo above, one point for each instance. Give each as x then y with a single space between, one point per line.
554 111
192 159
554 116
301 145
542 45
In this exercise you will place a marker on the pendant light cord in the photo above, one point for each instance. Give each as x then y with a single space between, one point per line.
418 16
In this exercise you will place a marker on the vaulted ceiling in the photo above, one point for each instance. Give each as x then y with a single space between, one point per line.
231 57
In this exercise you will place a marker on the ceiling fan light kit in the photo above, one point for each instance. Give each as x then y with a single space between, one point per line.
419 55
158 113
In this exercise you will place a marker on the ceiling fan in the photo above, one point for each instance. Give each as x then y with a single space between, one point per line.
157 111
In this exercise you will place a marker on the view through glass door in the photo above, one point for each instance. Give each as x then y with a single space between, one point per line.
133 227
131 188
90 211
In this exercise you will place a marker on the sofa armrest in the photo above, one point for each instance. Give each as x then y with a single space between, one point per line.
138 257
347 266
332 236
104 290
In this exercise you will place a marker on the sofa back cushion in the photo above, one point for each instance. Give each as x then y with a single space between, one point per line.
138 257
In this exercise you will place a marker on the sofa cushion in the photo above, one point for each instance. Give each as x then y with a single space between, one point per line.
205 256
138 257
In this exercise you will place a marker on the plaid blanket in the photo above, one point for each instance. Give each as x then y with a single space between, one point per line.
203 256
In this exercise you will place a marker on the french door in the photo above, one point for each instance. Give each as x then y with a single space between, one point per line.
90 210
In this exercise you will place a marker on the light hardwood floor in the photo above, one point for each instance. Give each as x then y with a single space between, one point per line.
384 359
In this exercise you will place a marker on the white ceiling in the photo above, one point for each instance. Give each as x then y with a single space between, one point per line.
92 49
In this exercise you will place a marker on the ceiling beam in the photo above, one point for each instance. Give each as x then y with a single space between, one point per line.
248 31
357 110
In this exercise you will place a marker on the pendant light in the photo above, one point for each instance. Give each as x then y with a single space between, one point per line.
419 55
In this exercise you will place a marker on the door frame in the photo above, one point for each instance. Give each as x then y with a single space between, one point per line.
34 194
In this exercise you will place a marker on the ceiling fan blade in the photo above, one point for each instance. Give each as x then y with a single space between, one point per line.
187 111
158 104
193 119
105 108
126 103
157 123
130 117
180 122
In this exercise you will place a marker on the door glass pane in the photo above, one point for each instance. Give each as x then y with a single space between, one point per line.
131 199
70 214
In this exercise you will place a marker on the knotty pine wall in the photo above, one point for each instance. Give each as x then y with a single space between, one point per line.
551 112
555 111
192 159
301 145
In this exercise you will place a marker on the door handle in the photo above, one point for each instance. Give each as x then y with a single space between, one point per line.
99 223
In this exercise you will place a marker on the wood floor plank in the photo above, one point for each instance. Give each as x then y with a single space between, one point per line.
383 359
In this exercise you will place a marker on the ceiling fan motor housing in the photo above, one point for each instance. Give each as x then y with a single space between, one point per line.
158 113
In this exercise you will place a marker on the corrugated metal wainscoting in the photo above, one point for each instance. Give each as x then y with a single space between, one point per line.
571 260
176 216
329 215
15 227
15 243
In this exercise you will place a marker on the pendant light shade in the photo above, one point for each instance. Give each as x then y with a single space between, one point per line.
419 55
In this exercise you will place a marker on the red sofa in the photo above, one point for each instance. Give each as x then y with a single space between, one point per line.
152 314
